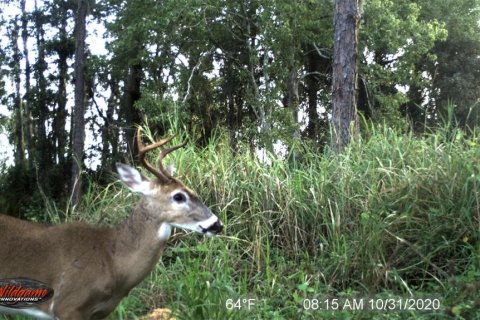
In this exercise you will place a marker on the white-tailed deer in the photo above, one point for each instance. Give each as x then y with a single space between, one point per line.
91 268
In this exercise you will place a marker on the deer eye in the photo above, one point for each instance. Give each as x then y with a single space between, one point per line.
179 197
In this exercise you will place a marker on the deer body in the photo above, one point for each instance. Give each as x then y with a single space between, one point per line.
90 268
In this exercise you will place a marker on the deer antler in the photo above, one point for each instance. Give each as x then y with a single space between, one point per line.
162 174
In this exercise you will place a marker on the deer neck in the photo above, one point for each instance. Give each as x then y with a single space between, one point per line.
139 242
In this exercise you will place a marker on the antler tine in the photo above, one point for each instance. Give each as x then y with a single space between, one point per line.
163 154
162 174
142 150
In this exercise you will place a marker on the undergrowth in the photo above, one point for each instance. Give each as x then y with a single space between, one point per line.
393 216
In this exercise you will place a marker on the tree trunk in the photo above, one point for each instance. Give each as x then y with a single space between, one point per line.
344 74
43 150
110 129
312 85
130 113
60 119
18 137
79 108
28 114
292 101
232 123
315 65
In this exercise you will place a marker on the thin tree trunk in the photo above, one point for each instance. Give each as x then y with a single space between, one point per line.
312 64
292 102
79 108
19 119
344 76
28 114
43 148
60 119
109 129
131 95
232 123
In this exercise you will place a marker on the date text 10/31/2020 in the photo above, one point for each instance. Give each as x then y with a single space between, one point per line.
373 304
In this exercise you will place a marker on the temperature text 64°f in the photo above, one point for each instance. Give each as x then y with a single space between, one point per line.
240 303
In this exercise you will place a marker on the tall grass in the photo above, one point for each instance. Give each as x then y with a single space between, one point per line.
394 215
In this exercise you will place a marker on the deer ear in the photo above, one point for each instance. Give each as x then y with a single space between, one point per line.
133 179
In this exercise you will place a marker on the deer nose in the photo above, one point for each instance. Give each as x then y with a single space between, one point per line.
217 227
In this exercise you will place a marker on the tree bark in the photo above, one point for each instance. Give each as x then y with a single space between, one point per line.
60 120
43 152
292 101
79 108
344 74
28 114
18 137
131 114
110 129
312 87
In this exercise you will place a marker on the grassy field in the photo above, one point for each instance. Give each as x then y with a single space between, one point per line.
392 223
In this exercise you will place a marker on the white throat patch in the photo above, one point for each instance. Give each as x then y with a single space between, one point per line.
164 231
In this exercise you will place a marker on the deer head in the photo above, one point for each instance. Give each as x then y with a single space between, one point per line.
175 204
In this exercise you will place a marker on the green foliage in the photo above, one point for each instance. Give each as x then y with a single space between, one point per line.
395 40
227 63
393 216
457 72
420 56
260 70
17 191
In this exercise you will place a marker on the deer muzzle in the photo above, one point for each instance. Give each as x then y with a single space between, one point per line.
215 228
212 228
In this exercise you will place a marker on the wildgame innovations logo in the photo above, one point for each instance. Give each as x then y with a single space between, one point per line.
20 292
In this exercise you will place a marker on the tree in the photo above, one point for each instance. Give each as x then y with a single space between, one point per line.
396 46
78 140
28 114
63 47
456 72
19 137
260 72
344 74
41 98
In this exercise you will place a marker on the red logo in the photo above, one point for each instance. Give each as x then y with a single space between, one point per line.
21 292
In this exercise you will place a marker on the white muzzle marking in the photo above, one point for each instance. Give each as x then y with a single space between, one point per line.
200 227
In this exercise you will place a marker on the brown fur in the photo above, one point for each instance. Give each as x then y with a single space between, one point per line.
92 268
